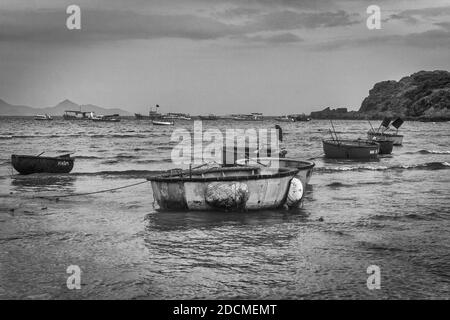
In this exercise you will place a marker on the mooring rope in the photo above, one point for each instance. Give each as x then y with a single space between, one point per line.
89 193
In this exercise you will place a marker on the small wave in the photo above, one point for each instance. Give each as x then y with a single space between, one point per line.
421 166
424 151
3 137
88 157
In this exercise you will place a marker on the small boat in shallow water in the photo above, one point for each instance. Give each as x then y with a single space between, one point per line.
36 164
229 189
350 149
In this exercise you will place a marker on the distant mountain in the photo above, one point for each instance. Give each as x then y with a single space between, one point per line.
422 95
7 109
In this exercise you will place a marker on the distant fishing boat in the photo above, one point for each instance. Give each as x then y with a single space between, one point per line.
380 133
208 117
152 114
107 118
285 119
43 117
176 116
163 123
255 116
77 115
229 189
26 164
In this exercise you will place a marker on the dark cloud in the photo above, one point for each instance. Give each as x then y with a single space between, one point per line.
50 25
414 16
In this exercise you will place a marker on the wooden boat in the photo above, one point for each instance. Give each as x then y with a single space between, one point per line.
162 123
235 188
43 117
35 164
305 167
350 149
397 139
176 116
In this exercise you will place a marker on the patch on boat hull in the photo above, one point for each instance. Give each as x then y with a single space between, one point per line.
233 195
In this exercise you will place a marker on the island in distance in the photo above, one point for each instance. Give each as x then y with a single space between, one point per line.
423 96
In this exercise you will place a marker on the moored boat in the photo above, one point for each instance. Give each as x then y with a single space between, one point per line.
163 123
235 188
397 139
107 118
43 117
350 149
26 164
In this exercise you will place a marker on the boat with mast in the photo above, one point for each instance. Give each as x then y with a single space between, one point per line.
383 131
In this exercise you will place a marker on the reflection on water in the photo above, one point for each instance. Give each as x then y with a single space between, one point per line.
43 182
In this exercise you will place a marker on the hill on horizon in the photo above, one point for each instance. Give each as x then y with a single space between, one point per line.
7 109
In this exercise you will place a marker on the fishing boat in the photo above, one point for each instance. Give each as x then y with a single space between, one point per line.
107 118
176 116
255 116
285 119
77 115
162 123
229 189
305 167
43 117
26 164
350 149
383 134
152 114
208 117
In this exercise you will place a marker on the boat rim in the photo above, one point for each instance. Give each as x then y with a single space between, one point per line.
384 134
307 164
361 143
69 158
184 175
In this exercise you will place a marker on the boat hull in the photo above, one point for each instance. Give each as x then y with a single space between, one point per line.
163 123
397 139
386 146
350 149
246 193
31 164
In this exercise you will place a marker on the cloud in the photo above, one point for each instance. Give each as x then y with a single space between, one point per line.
281 38
414 16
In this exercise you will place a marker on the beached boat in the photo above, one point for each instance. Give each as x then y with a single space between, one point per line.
350 149
43 117
163 123
235 188
35 164
305 167
397 139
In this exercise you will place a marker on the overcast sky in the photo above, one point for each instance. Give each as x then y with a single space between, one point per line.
215 56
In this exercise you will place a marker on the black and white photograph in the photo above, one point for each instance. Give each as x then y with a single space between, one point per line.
224 150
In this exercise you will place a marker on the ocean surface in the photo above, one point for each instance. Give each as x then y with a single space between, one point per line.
393 213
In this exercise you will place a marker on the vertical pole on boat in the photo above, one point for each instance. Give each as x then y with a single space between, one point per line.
190 171
371 125
332 125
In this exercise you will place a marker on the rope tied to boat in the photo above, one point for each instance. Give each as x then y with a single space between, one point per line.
90 193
